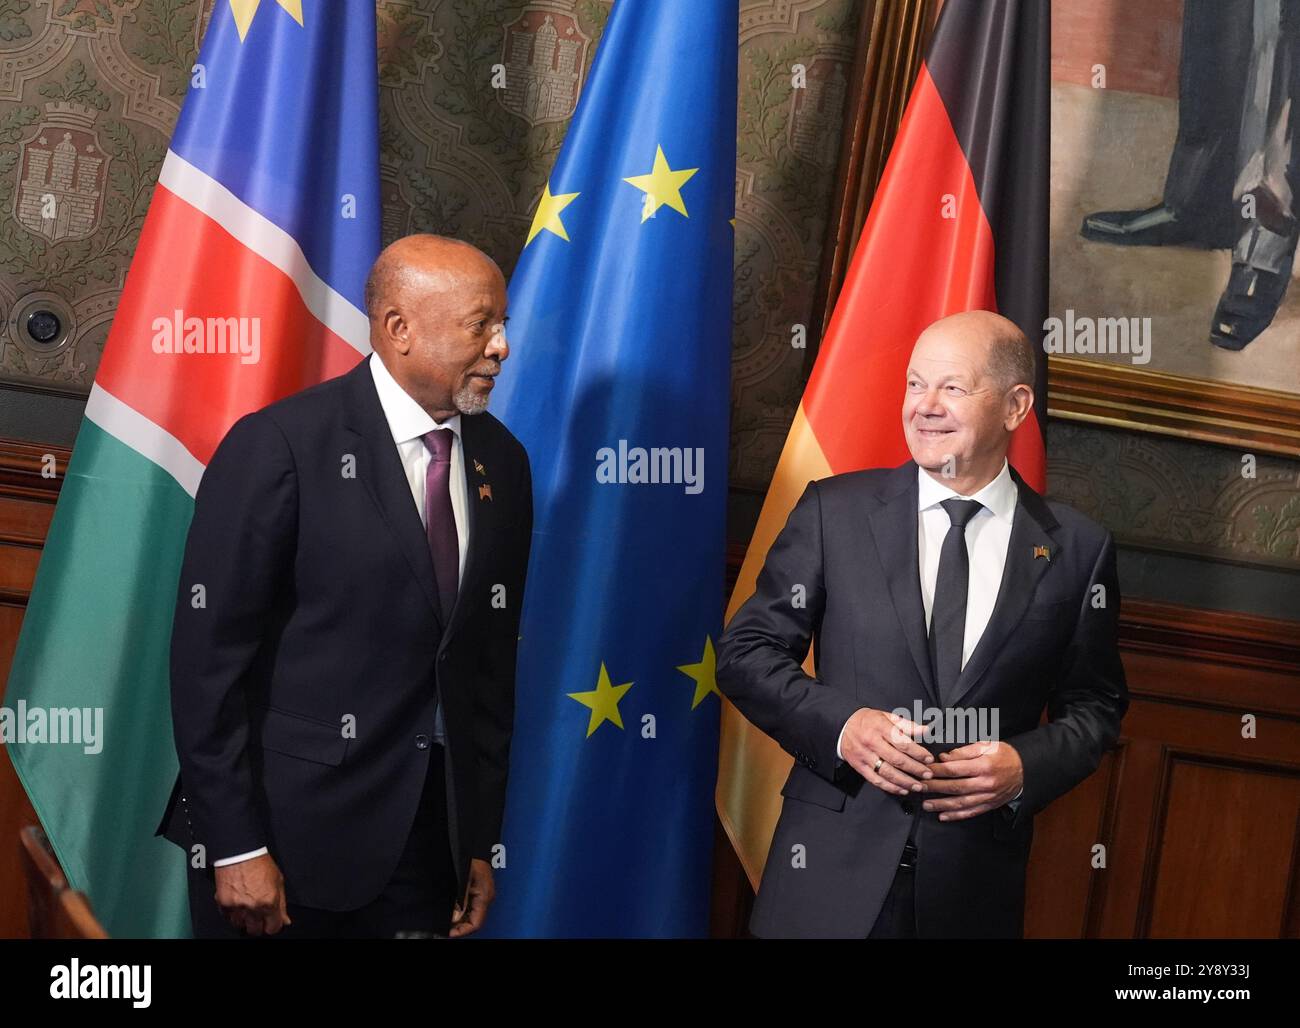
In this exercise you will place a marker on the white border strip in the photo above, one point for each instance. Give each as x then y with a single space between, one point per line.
270 242
152 442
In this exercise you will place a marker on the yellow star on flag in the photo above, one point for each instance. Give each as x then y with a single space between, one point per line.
705 674
548 214
603 701
662 186
245 10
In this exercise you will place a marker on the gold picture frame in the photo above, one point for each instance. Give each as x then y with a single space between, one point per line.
1118 396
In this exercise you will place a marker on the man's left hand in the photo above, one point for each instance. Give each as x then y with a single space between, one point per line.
468 918
974 779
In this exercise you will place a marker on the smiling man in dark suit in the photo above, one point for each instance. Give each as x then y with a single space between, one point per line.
343 650
949 584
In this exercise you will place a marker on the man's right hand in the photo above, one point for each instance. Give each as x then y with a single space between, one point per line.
875 735
251 895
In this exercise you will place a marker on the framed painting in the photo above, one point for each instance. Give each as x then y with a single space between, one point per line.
1175 213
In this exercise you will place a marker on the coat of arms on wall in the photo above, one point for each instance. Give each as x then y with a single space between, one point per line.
62 173
61 176
818 110
545 53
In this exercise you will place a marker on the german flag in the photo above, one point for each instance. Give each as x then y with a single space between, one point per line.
959 222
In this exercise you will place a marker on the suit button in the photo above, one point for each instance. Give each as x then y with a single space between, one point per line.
908 808
422 742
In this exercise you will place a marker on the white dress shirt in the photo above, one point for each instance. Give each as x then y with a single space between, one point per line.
408 422
988 534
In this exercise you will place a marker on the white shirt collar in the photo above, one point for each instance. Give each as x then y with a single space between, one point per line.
407 420
999 496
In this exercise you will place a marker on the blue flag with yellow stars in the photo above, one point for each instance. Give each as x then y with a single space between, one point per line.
618 386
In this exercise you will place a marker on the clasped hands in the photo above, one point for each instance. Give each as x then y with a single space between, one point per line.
964 782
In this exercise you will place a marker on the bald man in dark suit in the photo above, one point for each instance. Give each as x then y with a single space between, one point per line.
343 699
947 585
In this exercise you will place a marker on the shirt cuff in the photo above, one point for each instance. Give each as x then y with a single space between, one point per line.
241 857
840 756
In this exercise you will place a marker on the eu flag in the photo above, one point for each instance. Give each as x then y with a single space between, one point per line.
618 385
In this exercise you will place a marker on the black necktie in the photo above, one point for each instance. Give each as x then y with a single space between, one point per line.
948 611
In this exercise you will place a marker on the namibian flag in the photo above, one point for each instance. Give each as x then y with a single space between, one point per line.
621 307
959 222
246 286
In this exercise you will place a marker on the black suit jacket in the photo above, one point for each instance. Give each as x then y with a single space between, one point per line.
303 686
851 542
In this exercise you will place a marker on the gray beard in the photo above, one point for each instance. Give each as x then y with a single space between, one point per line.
468 401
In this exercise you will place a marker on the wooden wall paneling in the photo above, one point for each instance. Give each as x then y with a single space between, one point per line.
1223 865
1133 820
26 507
1200 822
1220 859
1062 889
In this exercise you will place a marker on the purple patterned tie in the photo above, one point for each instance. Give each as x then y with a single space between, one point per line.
439 520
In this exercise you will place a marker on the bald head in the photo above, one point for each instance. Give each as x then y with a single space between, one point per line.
1008 356
423 262
437 321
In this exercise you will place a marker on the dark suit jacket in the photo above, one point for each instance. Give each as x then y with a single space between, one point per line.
321 610
851 541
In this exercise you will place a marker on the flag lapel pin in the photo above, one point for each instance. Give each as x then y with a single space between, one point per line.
1042 551
479 468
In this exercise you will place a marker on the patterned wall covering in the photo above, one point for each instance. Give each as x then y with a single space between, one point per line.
89 91
787 148
1177 496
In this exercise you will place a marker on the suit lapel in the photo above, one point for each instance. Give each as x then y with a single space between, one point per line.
1030 528
894 530
380 469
